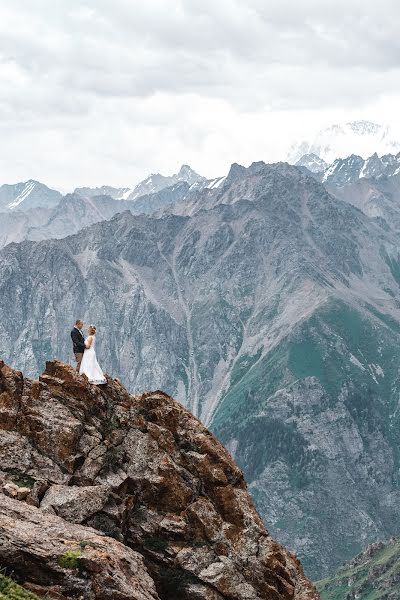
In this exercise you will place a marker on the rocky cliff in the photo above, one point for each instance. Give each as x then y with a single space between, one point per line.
107 495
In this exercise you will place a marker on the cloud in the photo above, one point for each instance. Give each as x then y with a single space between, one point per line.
103 92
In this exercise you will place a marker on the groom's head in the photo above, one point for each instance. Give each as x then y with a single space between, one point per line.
79 324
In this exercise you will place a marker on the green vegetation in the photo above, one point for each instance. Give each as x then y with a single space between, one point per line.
9 590
24 481
353 357
70 559
393 265
373 576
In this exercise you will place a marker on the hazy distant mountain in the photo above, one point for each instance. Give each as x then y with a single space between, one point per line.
314 163
270 308
23 196
70 215
176 198
104 190
156 182
152 184
338 141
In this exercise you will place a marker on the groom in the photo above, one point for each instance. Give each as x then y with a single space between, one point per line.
78 342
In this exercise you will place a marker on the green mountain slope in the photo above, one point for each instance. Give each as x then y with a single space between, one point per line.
373 575
319 417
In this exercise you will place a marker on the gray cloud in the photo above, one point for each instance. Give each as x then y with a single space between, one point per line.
70 70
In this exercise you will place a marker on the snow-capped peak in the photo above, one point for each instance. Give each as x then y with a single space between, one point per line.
27 189
312 162
362 138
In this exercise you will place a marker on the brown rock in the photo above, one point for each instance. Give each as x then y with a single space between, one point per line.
14 491
54 557
147 472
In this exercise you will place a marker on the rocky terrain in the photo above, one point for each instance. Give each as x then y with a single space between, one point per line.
269 308
372 575
107 495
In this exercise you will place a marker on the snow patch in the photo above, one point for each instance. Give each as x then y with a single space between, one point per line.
29 186
215 183
356 362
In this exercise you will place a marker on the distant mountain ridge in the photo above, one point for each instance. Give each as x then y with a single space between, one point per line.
30 194
152 184
104 190
352 168
72 213
312 162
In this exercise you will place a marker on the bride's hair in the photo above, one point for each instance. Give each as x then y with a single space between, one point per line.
92 330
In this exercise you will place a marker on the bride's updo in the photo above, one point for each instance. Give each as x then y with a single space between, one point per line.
92 330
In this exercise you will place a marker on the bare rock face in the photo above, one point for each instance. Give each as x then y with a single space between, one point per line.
64 560
101 466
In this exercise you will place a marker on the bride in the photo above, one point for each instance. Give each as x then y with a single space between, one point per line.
89 365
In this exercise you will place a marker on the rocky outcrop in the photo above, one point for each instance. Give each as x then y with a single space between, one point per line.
107 495
63 560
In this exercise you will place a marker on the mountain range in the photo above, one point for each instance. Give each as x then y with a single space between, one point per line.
153 183
72 213
265 304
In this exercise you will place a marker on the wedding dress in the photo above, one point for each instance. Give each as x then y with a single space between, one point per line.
90 367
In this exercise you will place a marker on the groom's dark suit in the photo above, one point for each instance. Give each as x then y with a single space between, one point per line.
78 342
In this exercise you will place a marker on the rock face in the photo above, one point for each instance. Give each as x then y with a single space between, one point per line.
176 518
51 556
270 309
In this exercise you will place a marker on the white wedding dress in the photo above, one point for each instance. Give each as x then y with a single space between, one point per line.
90 367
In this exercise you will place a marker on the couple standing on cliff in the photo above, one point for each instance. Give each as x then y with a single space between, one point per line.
85 353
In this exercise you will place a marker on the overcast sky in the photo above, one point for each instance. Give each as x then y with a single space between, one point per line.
106 91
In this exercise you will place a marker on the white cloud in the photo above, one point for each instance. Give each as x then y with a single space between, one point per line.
104 92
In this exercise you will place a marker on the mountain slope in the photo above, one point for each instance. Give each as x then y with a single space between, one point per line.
372 575
23 196
270 309
141 470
